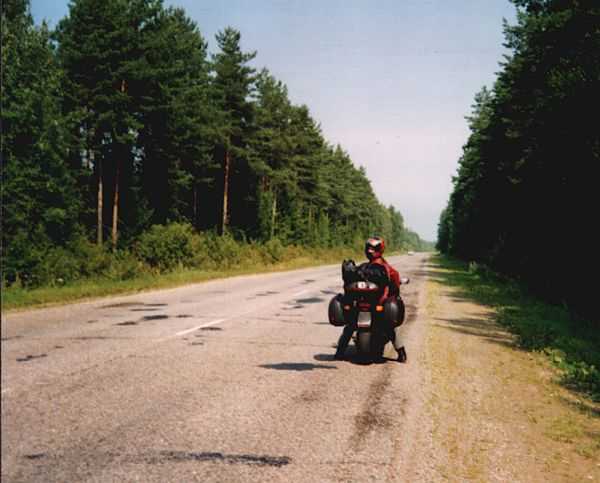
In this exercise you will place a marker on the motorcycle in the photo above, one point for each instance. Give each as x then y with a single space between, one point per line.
365 305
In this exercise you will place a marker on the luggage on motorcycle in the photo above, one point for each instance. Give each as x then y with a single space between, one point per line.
350 272
365 272
375 273
394 311
336 311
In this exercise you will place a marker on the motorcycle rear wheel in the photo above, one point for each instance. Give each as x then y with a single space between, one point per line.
363 342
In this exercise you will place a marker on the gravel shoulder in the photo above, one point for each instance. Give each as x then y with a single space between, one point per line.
494 412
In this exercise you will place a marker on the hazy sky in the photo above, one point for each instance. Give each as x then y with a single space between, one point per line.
389 80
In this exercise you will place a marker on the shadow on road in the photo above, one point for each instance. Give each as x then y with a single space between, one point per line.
296 366
353 357
485 328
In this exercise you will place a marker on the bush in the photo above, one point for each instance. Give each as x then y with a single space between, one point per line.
123 266
166 247
272 251
59 266
223 250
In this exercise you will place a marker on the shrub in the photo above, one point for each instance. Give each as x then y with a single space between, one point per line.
273 251
123 266
166 247
223 250
59 266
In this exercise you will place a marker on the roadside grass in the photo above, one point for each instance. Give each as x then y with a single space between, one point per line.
570 343
18 298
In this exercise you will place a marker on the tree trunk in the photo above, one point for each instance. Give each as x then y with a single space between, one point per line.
195 207
100 202
273 213
115 216
225 218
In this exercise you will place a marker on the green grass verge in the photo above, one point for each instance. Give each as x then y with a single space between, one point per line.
16 298
572 344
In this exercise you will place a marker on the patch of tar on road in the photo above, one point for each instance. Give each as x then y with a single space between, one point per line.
279 319
197 343
156 305
59 346
121 304
211 328
264 294
154 317
372 416
209 457
309 280
183 316
35 456
3 339
91 321
92 337
294 307
310 300
309 396
329 292
127 322
143 309
30 357
324 357
296 366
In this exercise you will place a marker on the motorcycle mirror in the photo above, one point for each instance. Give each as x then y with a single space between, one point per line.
404 280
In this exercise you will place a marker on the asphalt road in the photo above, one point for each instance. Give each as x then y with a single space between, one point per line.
230 380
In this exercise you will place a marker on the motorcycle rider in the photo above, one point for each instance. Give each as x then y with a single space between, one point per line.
374 248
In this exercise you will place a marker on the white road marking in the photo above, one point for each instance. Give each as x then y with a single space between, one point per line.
218 321
208 324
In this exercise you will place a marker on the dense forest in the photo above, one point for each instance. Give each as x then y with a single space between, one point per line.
524 199
120 121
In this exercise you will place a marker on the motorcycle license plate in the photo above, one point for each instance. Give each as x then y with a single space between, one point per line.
364 319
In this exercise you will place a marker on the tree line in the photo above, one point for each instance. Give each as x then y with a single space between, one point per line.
524 199
120 119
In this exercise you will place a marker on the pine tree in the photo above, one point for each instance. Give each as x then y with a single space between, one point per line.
39 197
100 48
233 85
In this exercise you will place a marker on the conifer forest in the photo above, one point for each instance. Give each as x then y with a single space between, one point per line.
524 201
124 141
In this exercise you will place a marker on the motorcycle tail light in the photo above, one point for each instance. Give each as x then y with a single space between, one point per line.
379 308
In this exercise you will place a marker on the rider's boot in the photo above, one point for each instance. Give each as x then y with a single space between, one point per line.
343 341
401 354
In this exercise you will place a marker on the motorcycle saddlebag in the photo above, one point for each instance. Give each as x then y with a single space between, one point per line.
336 311
393 311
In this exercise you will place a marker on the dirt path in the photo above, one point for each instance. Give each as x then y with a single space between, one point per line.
490 411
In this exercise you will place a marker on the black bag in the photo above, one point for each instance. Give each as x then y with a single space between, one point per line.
373 272
350 272
365 272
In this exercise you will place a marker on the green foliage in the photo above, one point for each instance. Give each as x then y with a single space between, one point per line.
39 196
165 247
273 251
525 186
571 343
122 125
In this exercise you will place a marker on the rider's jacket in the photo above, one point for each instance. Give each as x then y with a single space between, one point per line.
392 273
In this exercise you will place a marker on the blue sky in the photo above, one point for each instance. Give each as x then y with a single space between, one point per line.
389 80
